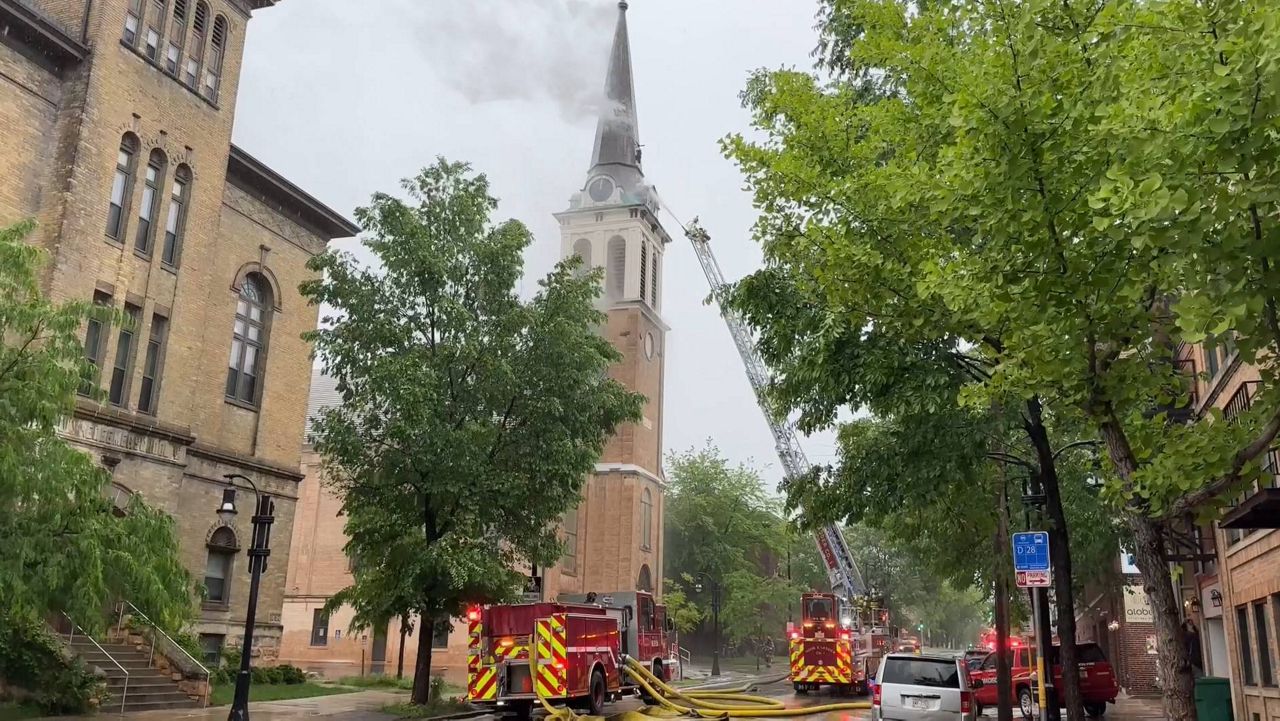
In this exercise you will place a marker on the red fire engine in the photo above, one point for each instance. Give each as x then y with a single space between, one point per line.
821 649
570 651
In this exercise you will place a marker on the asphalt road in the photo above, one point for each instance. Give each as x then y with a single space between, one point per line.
782 691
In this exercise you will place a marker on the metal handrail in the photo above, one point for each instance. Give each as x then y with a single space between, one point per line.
124 692
138 612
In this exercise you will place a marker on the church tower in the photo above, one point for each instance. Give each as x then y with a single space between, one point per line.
614 537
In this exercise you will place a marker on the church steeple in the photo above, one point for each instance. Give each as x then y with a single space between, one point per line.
617 147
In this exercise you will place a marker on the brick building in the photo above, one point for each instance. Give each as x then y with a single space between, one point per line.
117 140
1232 593
614 537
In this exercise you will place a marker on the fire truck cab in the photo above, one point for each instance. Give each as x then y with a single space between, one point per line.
821 648
568 652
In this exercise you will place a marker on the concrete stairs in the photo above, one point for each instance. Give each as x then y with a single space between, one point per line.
148 689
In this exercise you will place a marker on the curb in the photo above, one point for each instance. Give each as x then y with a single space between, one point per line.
448 717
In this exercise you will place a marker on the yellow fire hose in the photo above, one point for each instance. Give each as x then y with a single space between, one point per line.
703 704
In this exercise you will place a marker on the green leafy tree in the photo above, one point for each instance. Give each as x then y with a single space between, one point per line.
64 547
469 418
1071 189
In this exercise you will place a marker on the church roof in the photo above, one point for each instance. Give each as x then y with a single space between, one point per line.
617 146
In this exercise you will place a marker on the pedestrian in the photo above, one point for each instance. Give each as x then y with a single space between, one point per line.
1191 637
768 652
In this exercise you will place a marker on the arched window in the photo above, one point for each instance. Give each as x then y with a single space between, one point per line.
653 280
644 268
150 202
177 34
122 185
176 220
569 563
646 520
645 581
249 340
617 270
199 26
217 50
217 569
582 249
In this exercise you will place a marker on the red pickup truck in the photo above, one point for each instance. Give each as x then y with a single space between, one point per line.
1097 680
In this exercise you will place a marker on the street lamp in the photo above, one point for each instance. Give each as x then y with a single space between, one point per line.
259 549
714 586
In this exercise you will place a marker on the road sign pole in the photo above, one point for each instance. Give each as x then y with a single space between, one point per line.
1037 602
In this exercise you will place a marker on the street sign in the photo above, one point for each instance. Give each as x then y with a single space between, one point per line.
1031 551
1033 579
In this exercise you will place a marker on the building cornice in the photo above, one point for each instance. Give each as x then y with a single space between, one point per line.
604 469
232 458
645 309
20 19
149 425
293 202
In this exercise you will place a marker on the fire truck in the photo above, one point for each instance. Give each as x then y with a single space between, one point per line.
822 648
569 651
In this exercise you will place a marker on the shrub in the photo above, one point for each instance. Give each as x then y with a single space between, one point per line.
291 674
32 659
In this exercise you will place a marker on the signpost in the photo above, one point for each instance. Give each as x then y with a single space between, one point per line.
1031 566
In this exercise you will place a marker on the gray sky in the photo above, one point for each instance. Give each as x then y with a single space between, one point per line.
345 102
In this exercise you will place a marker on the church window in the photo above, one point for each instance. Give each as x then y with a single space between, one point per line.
249 340
121 185
154 178
653 280
644 266
582 248
177 218
645 583
569 563
217 570
217 50
199 23
617 270
646 520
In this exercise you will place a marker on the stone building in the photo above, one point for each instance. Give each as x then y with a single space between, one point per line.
1231 590
614 536
117 118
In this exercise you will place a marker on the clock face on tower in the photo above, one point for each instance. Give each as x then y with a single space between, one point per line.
600 189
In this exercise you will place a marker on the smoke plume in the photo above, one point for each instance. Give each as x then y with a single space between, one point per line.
534 50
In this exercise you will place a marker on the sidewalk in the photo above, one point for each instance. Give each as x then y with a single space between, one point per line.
1136 709
359 706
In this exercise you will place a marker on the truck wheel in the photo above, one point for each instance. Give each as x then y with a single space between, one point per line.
596 698
1095 710
659 670
1026 704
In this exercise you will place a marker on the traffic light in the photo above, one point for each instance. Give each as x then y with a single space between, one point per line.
920 627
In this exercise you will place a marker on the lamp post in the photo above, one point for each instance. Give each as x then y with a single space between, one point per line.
259 549
714 587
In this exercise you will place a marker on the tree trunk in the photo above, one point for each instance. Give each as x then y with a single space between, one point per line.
1152 561
1175 662
1060 550
404 631
422 667
1004 561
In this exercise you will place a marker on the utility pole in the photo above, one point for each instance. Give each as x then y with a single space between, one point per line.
1047 696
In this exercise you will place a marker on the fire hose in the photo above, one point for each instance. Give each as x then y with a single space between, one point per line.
721 704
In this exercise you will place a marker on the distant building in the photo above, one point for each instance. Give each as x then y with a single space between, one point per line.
614 536
1232 592
117 118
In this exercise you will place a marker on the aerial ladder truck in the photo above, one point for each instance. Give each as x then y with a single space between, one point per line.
843 658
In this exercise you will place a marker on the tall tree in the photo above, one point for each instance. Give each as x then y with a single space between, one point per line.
1075 188
64 547
469 418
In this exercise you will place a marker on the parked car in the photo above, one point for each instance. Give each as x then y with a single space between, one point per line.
925 687
1097 679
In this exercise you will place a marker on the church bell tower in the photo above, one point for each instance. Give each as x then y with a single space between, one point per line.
615 535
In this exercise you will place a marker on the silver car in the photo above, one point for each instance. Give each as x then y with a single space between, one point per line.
923 688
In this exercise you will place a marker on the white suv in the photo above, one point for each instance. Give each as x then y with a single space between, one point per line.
923 688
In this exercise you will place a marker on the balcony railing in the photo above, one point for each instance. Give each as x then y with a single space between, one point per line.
1240 401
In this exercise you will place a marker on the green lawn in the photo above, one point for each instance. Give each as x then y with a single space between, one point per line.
222 695
390 682
12 712
435 708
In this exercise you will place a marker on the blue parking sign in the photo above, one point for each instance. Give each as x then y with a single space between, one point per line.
1031 551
